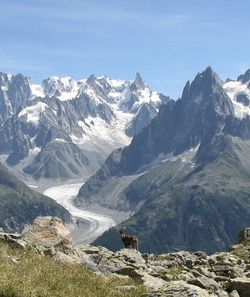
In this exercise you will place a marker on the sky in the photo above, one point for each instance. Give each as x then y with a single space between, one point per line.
167 41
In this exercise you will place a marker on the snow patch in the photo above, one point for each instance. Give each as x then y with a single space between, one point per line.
96 130
147 96
64 88
187 156
60 140
9 76
33 113
117 84
68 95
233 89
35 150
37 90
33 186
4 88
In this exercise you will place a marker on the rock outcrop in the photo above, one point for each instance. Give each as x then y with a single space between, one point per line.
180 274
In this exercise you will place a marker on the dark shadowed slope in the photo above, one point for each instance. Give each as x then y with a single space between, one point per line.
19 205
191 171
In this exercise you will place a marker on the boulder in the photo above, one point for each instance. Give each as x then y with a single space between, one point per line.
16 241
47 231
182 289
205 283
131 256
234 293
241 285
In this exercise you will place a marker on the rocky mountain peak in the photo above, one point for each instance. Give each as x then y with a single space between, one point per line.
207 79
99 85
207 89
19 81
55 86
244 78
91 79
138 83
3 79
19 90
186 90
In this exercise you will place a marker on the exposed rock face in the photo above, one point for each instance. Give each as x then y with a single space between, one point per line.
84 119
14 92
46 230
180 172
244 78
143 117
180 274
20 205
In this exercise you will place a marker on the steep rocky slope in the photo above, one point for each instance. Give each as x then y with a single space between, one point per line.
65 128
185 175
19 205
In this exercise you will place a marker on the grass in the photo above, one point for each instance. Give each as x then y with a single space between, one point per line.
174 272
242 252
36 276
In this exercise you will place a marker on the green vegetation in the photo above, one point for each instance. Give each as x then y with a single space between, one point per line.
19 205
37 276
174 272
243 250
190 208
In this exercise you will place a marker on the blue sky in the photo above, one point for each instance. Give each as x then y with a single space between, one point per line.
168 42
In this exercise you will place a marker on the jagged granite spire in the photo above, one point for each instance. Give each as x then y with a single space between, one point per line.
244 78
91 79
138 83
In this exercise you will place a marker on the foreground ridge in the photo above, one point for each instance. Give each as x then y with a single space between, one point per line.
171 274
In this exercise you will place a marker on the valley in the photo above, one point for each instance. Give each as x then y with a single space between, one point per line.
112 151
87 225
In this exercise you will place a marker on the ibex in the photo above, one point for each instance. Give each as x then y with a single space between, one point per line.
130 242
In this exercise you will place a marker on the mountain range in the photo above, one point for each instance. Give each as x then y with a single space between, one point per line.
64 128
180 167
185 175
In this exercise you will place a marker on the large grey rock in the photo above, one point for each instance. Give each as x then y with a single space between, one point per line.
205 283
234 293
150 281
51 237
131 256
241 285
15 240
182 289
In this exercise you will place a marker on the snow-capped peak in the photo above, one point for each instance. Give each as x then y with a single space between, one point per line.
36 90
239 93
244 78
97 88
139 83
64 88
